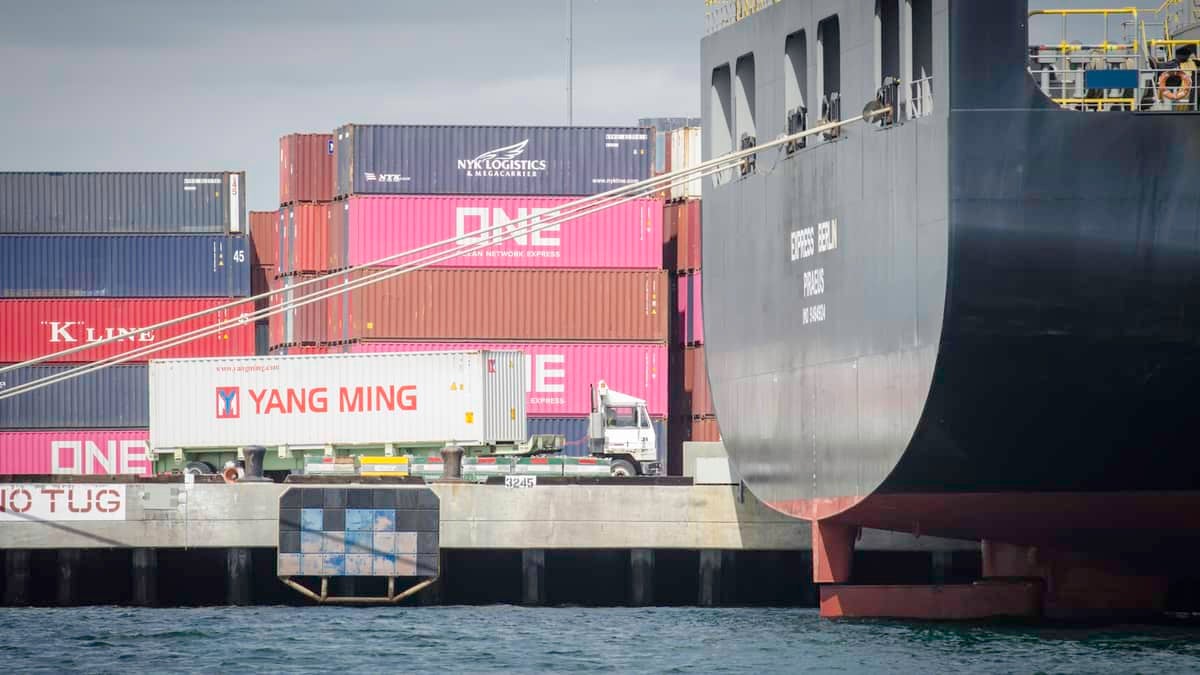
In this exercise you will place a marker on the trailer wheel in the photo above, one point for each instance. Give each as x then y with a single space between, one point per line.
199 468
623 469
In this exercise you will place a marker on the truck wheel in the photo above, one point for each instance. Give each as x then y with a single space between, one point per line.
623 469
199 468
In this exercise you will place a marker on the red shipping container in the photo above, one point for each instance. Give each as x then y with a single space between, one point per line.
706 429
76 452
683 234
275 333
558 375
264 237
307 237
682 315
34 328
526 305
307 168
695 243
695 381
307 323
697 310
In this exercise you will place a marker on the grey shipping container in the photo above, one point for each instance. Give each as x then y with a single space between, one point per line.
124 266
575 430
111 398
123 203
483 160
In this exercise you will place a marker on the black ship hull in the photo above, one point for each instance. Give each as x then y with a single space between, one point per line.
1009 320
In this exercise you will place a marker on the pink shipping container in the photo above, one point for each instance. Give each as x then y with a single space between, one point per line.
697 310
625 236
558 375
306 168
33 328
102 452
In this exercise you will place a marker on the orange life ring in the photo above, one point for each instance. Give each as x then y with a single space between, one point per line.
1178 93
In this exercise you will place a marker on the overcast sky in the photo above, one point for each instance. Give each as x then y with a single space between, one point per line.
207 85
173 85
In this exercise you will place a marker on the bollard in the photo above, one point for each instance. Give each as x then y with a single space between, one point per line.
254 455
452 457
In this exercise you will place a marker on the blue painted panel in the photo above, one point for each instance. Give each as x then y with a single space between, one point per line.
360 519
312 520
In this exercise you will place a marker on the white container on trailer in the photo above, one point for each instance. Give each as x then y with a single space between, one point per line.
469 398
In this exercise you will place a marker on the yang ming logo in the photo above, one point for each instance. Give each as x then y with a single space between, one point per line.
229 404
503 163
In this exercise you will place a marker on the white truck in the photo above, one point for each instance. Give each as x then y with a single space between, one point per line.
323 410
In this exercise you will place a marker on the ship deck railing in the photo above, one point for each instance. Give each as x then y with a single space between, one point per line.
1136 73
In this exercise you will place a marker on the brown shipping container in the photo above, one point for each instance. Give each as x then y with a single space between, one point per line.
507 304
706 429
306 168
686 222
695 381
264 237
260 282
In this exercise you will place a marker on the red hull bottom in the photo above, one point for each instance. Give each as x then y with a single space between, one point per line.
1045 555
982 600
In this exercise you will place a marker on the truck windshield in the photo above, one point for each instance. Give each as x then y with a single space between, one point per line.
622 416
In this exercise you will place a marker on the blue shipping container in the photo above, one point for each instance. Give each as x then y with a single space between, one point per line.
554 161
575 429
131 266
112 398
123 203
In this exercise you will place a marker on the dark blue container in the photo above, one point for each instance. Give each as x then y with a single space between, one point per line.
112 398
123 203
575 429
556 161
115 266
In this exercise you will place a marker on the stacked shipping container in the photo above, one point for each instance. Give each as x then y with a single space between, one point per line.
87 256
586 299
692 414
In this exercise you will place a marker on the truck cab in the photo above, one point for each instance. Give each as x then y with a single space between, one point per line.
621 429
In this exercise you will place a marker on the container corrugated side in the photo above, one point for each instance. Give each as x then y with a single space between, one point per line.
113 397
685 154
264 237
122 203
307 237
686 218
307 168
695 382
681 308
543 305
344 399
503 373
558 376
34 328
307 323
697 303
76 452
575 431
705 429
624 236
124 266
490 160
